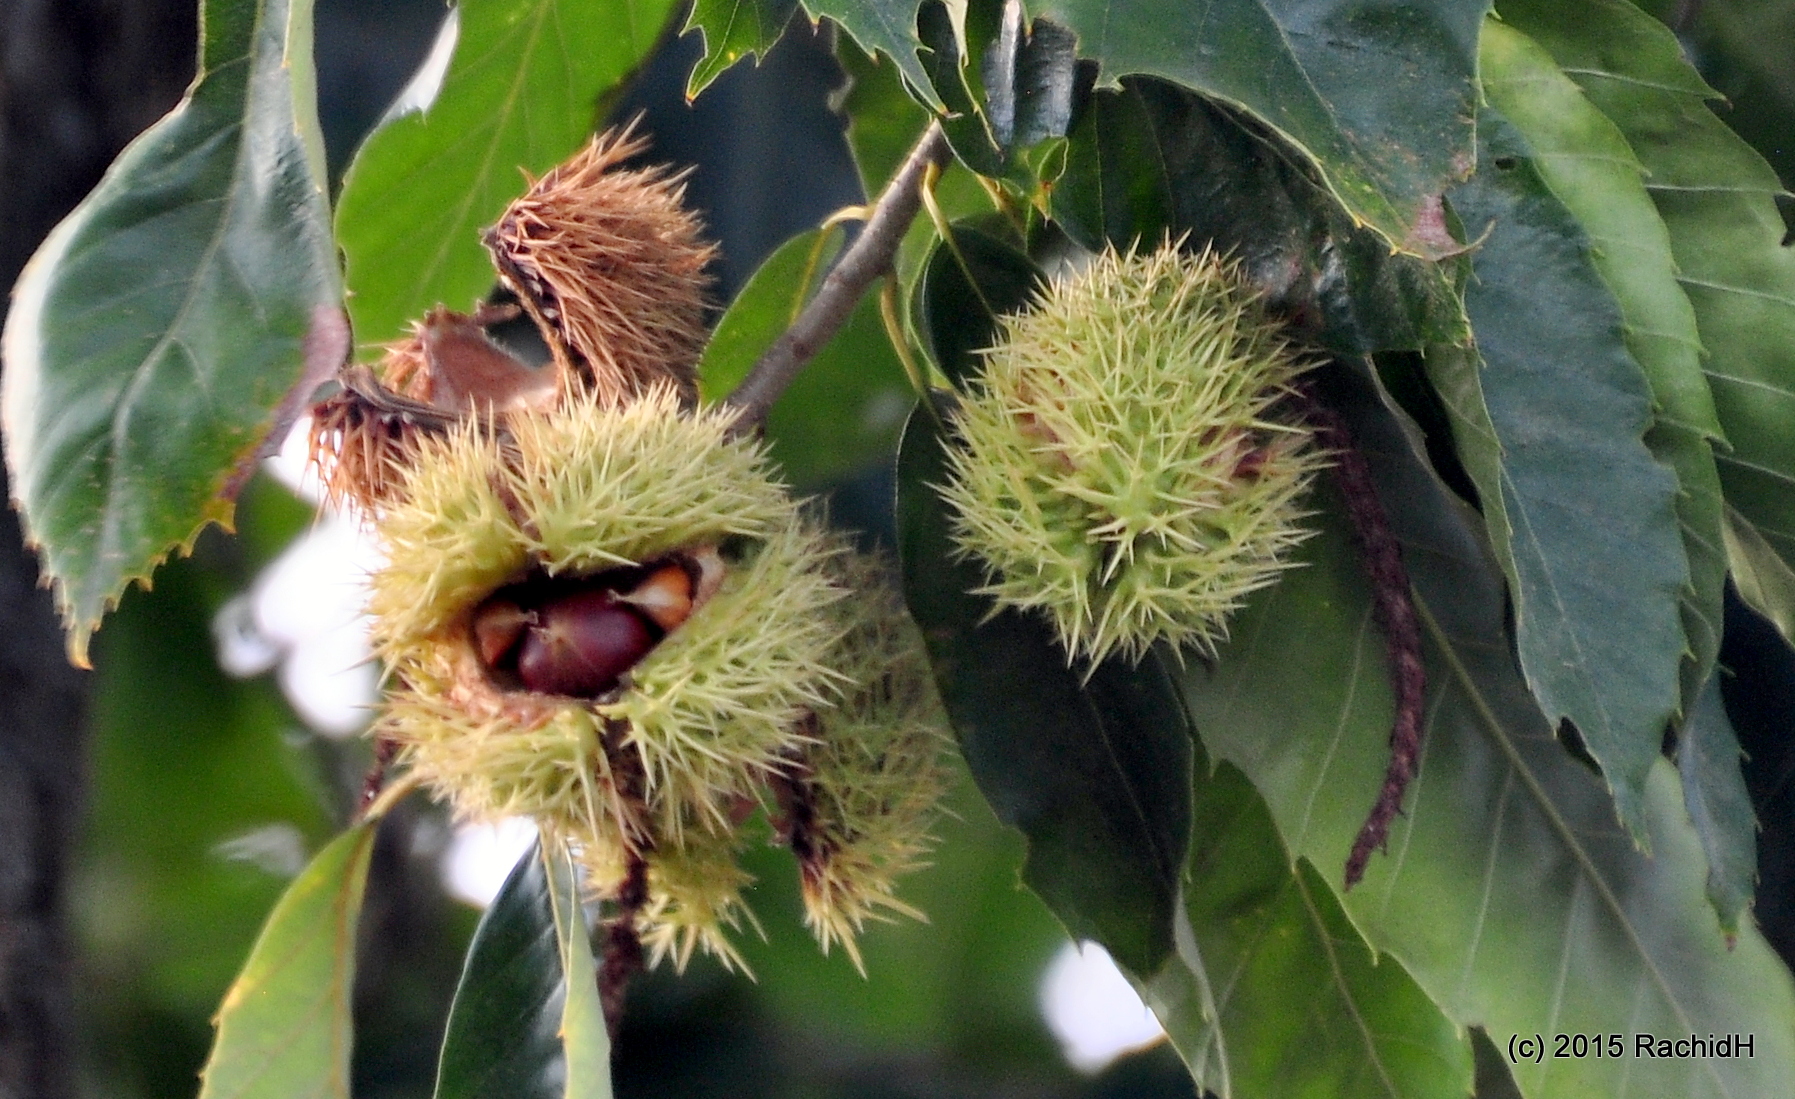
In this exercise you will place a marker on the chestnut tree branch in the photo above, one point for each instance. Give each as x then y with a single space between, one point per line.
864 261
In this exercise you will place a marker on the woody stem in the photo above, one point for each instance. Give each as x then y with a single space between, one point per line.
864 261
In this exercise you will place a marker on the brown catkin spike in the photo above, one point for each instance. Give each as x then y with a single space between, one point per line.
1394 611
612 266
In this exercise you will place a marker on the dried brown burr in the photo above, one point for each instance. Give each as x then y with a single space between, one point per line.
612 267
363 436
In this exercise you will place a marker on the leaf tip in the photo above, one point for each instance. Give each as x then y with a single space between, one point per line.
78 635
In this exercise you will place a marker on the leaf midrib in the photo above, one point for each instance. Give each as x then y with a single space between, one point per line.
143 373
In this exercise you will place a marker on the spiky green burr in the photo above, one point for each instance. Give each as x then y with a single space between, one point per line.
695 900
1127 468
855 799
705 716
867 786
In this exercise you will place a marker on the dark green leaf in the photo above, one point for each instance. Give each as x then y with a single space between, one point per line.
1494 1080
1587 165
1550 426
1042 73
887 27
1152 161
1506 891
1718 199
186 309
1763 579
1028 75
732 30
526 1023
1020 94
522 92
1378 97
1299 1005
968 130
966 286
284 1027
1095 771
1708 757
844 411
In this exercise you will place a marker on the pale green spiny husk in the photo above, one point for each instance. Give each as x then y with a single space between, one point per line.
716 706
695 899
601 486
876 770
711 709
1125 469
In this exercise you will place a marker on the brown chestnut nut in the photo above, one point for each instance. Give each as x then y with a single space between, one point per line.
665 596
580 644
497 626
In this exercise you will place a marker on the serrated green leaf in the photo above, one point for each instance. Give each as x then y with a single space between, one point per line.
1536 914
1708 758
1379 98
522 92
1763 579
732 30
1718 199
1150 161
185 310
526 1022
1301 1006
1588 166
284 1028
887 27
1550 413
965 288
844 411
1095 770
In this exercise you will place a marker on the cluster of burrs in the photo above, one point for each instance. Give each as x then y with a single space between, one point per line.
602 610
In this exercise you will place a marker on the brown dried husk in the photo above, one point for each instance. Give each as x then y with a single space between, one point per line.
612 266
360 450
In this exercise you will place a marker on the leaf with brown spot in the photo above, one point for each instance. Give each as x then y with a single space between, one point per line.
175 319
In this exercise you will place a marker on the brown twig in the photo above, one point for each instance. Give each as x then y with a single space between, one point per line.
1395 614
864 261
623 945
622 956
385 748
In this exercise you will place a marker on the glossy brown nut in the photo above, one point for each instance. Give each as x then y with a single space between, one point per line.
581 644
665 596
497 626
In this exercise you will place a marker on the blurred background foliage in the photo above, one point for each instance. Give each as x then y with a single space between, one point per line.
206 791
